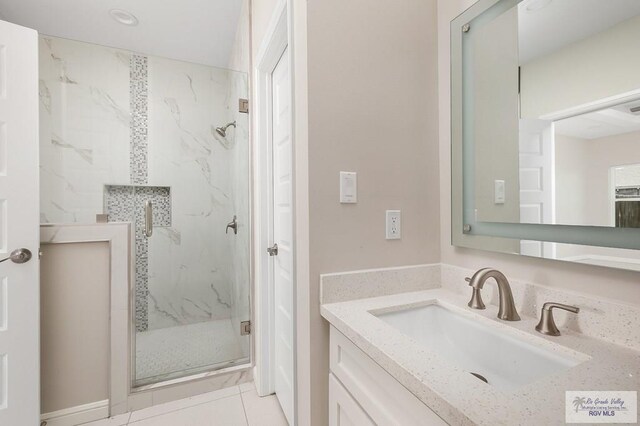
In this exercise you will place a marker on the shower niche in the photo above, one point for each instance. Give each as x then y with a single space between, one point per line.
162 144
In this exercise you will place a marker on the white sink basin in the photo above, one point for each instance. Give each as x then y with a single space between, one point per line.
506 361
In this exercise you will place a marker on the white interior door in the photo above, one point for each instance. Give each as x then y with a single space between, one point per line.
19 223
537 187
283 233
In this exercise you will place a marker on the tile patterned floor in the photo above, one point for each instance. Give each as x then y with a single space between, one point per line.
184 348
234 406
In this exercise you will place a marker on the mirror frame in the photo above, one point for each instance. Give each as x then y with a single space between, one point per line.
465 231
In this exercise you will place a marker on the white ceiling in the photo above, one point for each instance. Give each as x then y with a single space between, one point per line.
201 31
563 22
599 124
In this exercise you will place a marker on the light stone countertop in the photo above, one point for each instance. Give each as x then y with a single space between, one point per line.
455 395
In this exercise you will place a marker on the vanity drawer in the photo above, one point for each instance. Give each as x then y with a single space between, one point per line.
381 396
343 409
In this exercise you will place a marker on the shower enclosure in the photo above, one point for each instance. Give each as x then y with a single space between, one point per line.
163 144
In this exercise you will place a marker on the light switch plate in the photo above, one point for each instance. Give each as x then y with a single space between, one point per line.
393 224
498 192
348 187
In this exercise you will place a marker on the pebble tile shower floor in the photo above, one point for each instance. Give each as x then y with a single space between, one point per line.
161 353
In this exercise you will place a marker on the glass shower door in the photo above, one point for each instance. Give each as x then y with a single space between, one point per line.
192 270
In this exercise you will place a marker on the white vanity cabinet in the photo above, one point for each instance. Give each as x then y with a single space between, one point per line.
343 409
362 393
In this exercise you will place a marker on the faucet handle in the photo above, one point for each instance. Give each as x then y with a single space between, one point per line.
476 300
547 325
550 305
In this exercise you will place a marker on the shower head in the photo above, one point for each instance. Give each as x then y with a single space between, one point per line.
222 131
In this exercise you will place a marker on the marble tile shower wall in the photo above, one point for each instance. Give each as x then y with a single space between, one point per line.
84 127
187 102
89 124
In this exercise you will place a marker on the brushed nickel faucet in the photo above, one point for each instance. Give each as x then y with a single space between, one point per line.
547 325
507 309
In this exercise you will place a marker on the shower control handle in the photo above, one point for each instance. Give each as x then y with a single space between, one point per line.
233 225
273 250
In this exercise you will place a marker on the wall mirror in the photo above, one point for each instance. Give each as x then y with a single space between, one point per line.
546 129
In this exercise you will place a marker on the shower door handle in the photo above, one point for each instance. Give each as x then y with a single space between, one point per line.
148 218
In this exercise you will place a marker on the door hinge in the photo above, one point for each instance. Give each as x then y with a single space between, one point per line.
243 106
245 328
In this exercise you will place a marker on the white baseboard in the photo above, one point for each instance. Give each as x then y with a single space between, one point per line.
77 415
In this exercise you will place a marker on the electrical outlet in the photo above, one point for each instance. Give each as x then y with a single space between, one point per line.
393 225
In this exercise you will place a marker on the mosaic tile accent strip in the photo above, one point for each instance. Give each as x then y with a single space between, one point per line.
138 170
139 119
125 203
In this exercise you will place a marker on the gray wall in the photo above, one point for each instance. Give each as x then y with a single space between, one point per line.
74 324
373 110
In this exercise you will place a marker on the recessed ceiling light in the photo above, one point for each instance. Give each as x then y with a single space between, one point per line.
124 17
534 5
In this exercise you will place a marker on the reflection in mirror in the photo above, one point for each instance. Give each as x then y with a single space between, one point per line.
600 256
556 108
546 129
626 187
594 172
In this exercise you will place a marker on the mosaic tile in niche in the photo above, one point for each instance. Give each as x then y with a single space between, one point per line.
126 203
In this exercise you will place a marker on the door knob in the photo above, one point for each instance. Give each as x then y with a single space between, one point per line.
273 250
21 255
